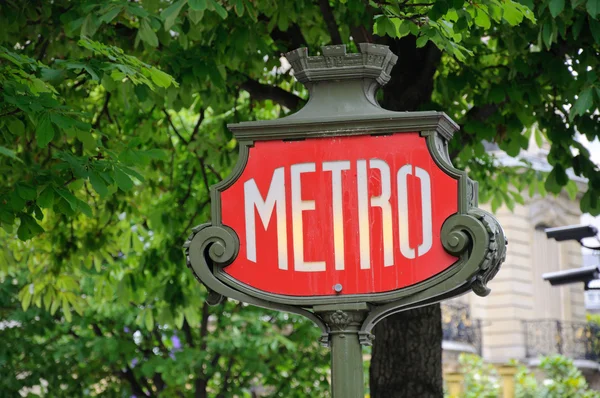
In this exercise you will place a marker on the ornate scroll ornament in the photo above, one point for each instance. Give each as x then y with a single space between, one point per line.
472 235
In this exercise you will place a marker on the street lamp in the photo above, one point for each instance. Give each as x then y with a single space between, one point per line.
574 275
573 232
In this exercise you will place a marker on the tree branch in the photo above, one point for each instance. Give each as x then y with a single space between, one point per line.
173 126
291 39
361 35
126 374
204 176
187 331
226 378
332 26
13 112
103 111
197 126
215 172
136 388
260 92
204 326
198 209
479 113
189 189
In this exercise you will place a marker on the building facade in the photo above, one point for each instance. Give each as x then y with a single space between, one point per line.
525 317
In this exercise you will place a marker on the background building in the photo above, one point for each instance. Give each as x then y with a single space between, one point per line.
525 317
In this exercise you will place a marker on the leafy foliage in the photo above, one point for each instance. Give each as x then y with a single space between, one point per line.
112 128
481 378
560 379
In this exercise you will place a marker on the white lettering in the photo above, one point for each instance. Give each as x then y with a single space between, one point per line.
275 199
364 229
426 222
405 248
298 206
336 169
383 202
426 211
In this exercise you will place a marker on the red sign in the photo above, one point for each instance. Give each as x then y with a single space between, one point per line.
339 215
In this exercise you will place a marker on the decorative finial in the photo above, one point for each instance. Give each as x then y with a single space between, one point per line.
374 61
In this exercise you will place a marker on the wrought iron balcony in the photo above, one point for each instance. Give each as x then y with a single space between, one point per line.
459 327
577 340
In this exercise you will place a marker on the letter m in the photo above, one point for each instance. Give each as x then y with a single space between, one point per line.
264 207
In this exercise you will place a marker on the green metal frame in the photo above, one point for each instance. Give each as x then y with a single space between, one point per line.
342 103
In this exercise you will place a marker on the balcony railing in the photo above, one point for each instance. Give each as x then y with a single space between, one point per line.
577 340
458 326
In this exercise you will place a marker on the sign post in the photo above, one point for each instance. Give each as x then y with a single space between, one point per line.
345 212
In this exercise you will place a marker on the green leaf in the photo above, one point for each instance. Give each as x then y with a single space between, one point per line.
595 29
556 7
583 103
514 12
84 208
195 16
16 202
66 309
16 126
547 34
482 19
26 296
26 191
160 78
511 13
28 227
590 203
147 34
251 10
132 173
156 153
86 138
496 203
44 132
404 28
123 180
8 153
69 197
238 6
62 121
577 26
556 179
98 184
148 319
90 25
383 26
111 14
219 8
421 41
593 8
169 15
46 198
572 190
108 83
197 5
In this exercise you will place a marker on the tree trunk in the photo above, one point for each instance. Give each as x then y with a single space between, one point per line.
407 351
407 355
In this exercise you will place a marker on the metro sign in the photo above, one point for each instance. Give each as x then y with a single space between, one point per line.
344 212
345 204
339 216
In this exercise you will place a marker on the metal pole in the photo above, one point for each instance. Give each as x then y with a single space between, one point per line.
347 380
344 322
